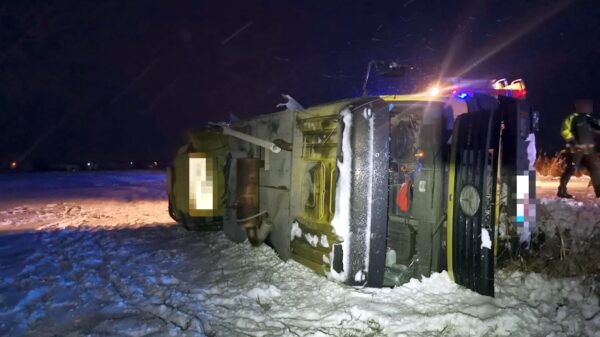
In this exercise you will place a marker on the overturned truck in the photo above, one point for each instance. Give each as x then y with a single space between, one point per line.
371 191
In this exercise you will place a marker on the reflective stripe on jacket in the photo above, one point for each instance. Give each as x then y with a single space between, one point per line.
580 129
566 131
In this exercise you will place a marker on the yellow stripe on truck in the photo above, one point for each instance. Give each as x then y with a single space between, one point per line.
498 195
450 213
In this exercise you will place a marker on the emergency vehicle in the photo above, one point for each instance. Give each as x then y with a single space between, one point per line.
372 191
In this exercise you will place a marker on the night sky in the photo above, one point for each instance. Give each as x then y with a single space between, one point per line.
122 80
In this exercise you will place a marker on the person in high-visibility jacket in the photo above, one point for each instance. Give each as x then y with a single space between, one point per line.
579 131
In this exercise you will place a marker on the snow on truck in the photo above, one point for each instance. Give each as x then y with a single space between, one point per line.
372 191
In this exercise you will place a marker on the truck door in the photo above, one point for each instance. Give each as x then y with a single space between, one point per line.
419 133
472 185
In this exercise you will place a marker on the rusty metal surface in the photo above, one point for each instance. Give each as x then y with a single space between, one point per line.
247 192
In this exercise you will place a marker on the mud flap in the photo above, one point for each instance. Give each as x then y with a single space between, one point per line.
471 200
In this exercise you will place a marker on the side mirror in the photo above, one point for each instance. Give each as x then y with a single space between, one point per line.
390 69
383 69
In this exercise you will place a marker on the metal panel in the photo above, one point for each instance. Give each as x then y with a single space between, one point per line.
275 178
313 184
369 203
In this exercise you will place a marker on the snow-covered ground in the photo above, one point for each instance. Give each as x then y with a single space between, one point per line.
578 186
579 216
96 254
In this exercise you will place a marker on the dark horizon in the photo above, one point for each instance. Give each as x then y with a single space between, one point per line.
120 81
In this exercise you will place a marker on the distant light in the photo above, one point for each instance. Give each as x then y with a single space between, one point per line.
130 163
89 164
420 154
434 91
13 165
462 95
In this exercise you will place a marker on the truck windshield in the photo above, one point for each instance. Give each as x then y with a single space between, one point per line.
405 124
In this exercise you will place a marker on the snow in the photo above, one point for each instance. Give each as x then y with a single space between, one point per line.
72 264
341 217
324 241
546 188
313 240
368 114
486 242
390 257
580 217
295 232
360 276
264 291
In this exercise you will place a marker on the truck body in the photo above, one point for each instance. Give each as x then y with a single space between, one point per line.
369 191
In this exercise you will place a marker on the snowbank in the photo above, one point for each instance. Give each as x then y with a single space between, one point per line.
580 218
341 218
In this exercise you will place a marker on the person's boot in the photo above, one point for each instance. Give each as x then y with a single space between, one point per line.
562 192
